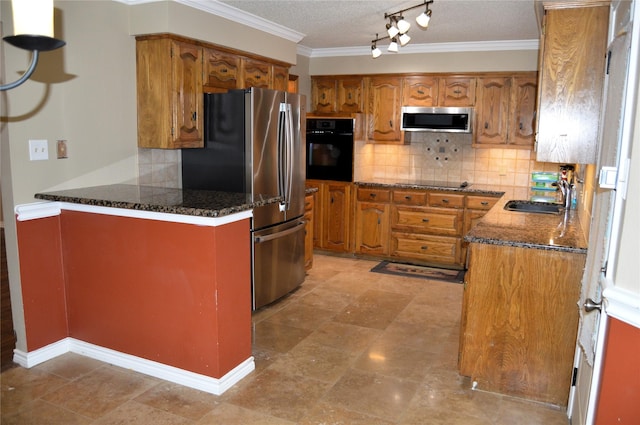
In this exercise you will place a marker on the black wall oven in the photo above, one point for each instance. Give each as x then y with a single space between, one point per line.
330 149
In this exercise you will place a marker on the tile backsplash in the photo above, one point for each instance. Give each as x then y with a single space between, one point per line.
427 156
446 157
160 167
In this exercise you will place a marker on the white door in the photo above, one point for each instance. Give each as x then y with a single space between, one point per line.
608 204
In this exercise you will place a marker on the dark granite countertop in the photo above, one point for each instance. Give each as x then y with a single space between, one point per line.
201 203
509 228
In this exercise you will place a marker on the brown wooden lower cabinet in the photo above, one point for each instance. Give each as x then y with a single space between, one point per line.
519 321
308 231
333 211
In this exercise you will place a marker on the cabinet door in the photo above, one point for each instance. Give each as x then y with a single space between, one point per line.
280 76
308 229
384 109
350 95
323 94
318 211
255 73
492 110
337 216
221 70
188 102
522 111
419 91
573 52
372 228
457 91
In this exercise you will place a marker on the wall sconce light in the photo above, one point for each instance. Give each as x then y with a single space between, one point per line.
33 29
398 27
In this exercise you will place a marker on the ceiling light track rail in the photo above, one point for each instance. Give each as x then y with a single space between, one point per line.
398 27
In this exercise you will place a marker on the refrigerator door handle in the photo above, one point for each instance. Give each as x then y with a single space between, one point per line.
281 156
260 239
289 155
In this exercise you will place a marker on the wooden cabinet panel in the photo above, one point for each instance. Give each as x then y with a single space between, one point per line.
457 91
169 94
409 197
324 95
318 211
572 64
427 220
308 229
522 111
384 109
427 248
420 91
280 78
350 95
520 321
255 73
373 195
372 230
447 200
492 110
481 202
337 210
222 69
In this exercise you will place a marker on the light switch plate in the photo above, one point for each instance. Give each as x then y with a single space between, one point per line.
38 150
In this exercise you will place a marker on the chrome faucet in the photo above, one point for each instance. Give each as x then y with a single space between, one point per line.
566 188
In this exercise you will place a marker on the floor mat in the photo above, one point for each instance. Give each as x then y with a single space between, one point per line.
433 273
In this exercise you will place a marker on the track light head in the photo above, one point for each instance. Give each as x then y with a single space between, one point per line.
403 25
423 19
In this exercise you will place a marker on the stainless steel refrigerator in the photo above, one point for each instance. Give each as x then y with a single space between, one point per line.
254 144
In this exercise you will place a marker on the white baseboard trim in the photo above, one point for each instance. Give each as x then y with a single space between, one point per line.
205 383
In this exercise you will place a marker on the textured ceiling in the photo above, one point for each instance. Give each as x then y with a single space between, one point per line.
340 24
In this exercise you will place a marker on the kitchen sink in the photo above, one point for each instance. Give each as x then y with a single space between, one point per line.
533 207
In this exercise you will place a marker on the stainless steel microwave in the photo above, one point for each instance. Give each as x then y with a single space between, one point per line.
440 119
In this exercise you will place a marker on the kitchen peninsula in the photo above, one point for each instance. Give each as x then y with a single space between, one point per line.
152 279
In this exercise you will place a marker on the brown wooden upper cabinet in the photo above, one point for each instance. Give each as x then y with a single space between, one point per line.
256 73
169 93
174 72
505 111
457 91
420 91
572 65
331 94
383 112
222 70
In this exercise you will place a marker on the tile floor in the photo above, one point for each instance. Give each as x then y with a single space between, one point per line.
349 347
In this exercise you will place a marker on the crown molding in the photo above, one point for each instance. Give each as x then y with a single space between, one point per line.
223 10
474 46
228 12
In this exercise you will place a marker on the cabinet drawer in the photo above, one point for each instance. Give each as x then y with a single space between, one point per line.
428 220
373 195
481 202
409 197
446 200
434 249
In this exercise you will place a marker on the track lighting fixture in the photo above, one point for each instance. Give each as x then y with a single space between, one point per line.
398 27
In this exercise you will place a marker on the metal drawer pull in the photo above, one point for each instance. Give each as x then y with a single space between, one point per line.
445 201
407 197
425 220
373 195
484 203
424 247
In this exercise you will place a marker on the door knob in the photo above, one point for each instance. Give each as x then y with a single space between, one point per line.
590 305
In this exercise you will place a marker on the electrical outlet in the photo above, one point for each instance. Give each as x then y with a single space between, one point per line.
38 150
